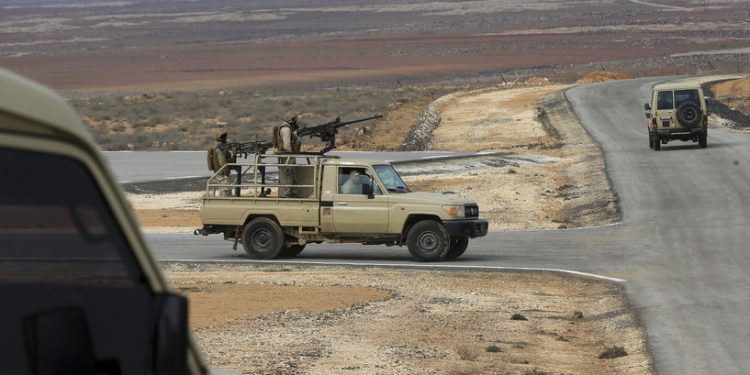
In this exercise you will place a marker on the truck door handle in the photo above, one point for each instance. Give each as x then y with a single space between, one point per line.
342 203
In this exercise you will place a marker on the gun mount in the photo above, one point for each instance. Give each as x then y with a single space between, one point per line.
327 132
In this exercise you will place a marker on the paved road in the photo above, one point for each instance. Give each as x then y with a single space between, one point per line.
683 247
144 166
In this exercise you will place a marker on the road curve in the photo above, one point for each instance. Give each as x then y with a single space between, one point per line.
687 215
682 246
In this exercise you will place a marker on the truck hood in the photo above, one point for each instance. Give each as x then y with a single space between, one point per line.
430 198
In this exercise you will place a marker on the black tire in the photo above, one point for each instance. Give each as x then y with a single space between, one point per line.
291 251
428 240
657 144
703 141
650 141
457 247
689 114
263 238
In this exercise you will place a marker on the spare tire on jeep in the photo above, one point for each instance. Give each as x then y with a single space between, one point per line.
689 114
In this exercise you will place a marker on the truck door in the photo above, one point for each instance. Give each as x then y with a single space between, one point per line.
353 211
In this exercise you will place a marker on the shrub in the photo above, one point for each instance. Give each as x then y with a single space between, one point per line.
613 352
466 353
517 316
493 349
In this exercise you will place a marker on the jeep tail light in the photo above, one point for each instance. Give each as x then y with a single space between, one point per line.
705 122
653 123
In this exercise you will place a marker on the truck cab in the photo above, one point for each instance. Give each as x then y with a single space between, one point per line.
81 291
337 200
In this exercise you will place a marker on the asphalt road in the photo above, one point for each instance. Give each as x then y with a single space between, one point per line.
144 166
682 249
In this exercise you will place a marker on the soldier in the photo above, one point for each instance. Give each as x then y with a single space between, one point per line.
222 155
285 141
354 184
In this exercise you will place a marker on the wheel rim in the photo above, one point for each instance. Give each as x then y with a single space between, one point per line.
428 242
689 114
261 239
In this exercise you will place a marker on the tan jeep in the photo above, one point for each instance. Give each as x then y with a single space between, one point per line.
336 200
81 293
677 111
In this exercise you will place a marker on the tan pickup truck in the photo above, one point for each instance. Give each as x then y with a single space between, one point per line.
335 200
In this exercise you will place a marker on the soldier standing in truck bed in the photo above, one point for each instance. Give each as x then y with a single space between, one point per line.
285 141
222 155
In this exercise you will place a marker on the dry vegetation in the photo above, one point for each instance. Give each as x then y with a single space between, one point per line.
187 121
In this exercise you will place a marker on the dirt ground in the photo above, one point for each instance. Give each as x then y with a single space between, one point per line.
381 321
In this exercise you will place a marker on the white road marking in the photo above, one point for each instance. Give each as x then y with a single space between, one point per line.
401 265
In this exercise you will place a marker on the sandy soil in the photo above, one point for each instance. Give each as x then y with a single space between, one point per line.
380 321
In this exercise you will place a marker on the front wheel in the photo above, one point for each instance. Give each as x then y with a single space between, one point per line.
263 238
428 240
458 246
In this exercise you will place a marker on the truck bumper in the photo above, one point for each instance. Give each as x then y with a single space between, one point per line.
471 228
681 134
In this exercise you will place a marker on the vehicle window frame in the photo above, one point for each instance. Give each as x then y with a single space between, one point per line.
367 171
659 106
58 144
696 98
395 172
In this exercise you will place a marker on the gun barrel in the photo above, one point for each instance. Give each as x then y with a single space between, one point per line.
330 127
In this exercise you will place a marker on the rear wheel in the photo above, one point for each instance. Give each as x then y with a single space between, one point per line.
651 141
291 251
703 141
657 144
457 247
428 240
262 238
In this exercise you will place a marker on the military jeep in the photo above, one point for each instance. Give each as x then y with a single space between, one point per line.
677 112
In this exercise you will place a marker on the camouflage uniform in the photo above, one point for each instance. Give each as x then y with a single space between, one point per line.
223 156
286 141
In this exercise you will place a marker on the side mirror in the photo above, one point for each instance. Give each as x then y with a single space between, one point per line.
171 336
647 107
648 115
367 189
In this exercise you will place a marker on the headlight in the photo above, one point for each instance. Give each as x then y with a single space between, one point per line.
457 211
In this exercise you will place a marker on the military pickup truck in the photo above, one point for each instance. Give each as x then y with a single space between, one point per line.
334 200
80 290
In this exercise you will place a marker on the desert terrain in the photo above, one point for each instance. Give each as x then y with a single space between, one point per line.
167 75
92 47
288 320
258 319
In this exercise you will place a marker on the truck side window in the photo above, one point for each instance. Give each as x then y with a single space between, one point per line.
664 100
351 180
63 256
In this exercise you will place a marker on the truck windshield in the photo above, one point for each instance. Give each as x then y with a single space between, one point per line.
391 179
